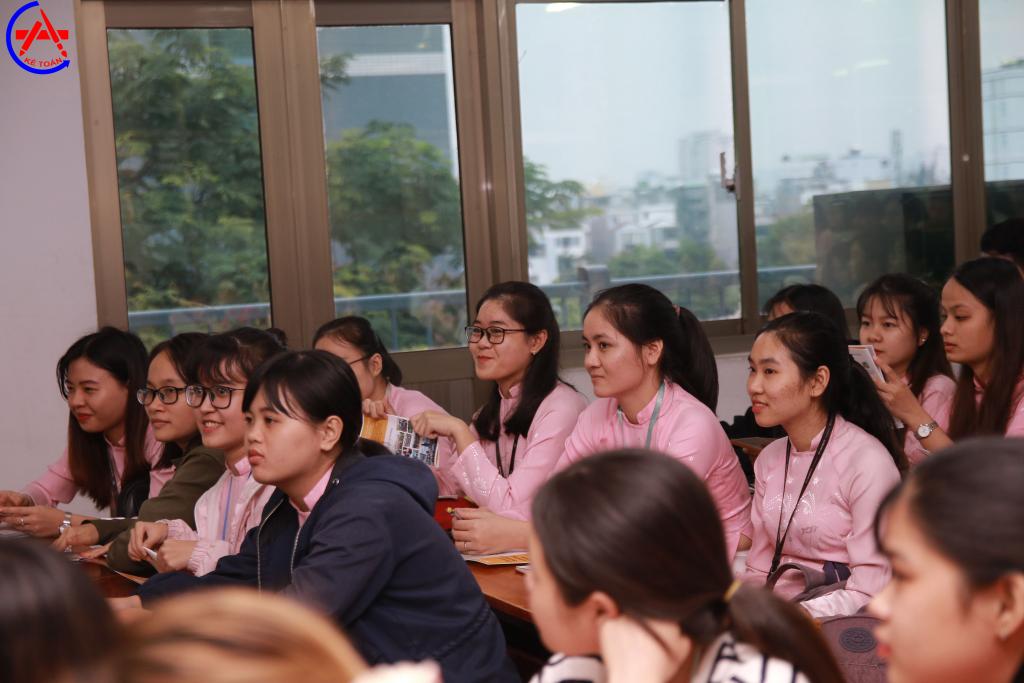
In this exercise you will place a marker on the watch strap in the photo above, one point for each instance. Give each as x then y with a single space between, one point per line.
925 430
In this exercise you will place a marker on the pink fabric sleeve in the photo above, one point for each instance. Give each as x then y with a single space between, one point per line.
581 441
178 530
446 456
759 559
1015 426
209 509
54 486
869 570
447 481
696 444
538 456
206 555
704 448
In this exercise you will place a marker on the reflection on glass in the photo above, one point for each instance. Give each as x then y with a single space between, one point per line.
190 179
1002 101
393 181
850 132
626 108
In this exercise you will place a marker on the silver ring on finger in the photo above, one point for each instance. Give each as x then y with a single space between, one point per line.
21 521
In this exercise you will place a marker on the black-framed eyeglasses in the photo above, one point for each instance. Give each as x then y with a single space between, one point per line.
495 335
168 395
220 395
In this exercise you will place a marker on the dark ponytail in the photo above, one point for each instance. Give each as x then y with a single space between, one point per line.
597 534
997 284
178 348
528 306
642 314
812 342
358 332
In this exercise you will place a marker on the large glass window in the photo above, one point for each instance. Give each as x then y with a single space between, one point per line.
393 181
850 136
190 179
626 109
1002 101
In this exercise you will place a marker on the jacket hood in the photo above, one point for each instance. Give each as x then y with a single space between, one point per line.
411 475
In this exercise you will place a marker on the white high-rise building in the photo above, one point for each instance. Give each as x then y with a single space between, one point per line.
1002 102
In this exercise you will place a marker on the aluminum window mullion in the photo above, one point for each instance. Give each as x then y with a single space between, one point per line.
294 171
967 160
101 165
750 314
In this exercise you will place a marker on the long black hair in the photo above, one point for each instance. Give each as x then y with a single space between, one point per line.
642 314
598 534
310 386
530 308
920 304
997 284
358 332
813 342
123 355
178 348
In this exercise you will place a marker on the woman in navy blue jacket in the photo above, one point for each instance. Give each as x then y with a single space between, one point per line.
351 535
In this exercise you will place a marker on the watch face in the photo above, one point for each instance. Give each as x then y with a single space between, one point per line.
924 431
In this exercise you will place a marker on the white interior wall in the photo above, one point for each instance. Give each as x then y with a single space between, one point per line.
47 289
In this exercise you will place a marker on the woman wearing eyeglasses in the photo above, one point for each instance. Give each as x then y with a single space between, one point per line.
111 452
196 468
219 369
512 444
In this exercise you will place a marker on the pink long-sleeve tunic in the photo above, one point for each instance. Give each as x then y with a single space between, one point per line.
685 429
834 519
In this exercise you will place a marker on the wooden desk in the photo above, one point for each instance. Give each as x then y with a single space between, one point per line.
110 583
504 588
751 445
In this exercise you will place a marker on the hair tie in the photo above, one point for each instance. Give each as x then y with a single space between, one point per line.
731 591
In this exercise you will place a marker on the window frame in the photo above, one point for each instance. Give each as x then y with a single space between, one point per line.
483 35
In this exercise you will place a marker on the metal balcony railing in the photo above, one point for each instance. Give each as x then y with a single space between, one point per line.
567 298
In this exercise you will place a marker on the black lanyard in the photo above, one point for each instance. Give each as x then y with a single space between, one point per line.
780 535
511 461
115 490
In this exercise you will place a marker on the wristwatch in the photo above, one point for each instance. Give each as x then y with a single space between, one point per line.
925 430
65 525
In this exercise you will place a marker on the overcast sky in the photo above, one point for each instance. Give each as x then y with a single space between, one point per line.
609 90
